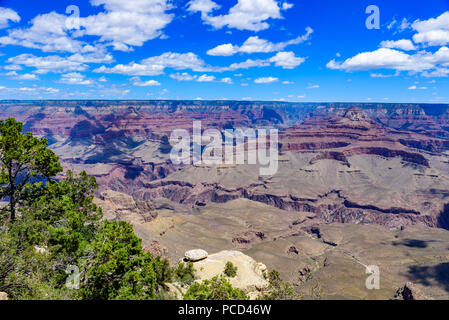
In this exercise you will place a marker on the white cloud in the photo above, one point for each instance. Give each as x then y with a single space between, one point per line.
98 56
384 58
432 32
156 65
49 90
7 15
27 76
205 78
149 83
75 78
288 82
13 67
417 88
255 44
227 80
437 73
203 6
287 60
32 90
48 32
381 75
248 64
266 80
433 37
224 50
127 23
403 44
43 65
245 15
399 27
27 89
123 24
313 86
183 76
182 61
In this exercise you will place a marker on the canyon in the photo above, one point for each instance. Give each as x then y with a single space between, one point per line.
357 184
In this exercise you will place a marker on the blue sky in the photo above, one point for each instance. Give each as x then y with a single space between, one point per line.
310 51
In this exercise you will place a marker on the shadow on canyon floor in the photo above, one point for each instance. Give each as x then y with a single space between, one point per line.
443 218
428 275
412 243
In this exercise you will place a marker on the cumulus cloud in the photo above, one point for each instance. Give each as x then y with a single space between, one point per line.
227 80
431 63
123 24
205 78
44 65
385 58
26 76
437 73
417 88
224 50
156 65
249 63
403 44
127 23
7 15
75 78
183 76
266 80
255 44
136 81
287 60
245 15
31 90
48 32
432 32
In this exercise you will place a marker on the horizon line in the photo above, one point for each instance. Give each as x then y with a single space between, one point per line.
224 100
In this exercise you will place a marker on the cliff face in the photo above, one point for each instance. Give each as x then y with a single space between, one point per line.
356 184
353 132
361 163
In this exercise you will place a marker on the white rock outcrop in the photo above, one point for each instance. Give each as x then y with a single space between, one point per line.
250 273
195 255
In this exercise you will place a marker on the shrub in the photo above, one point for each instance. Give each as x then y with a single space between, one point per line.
278 289
230 270
218 288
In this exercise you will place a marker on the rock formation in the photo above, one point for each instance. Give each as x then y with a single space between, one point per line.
119 206
410 292
250 274
195 255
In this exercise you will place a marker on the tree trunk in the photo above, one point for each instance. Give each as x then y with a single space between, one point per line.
12 204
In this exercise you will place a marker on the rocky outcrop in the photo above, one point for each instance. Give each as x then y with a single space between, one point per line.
341 208
250 274
119 206
3 296
410 292
156 249
352 132
195 255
